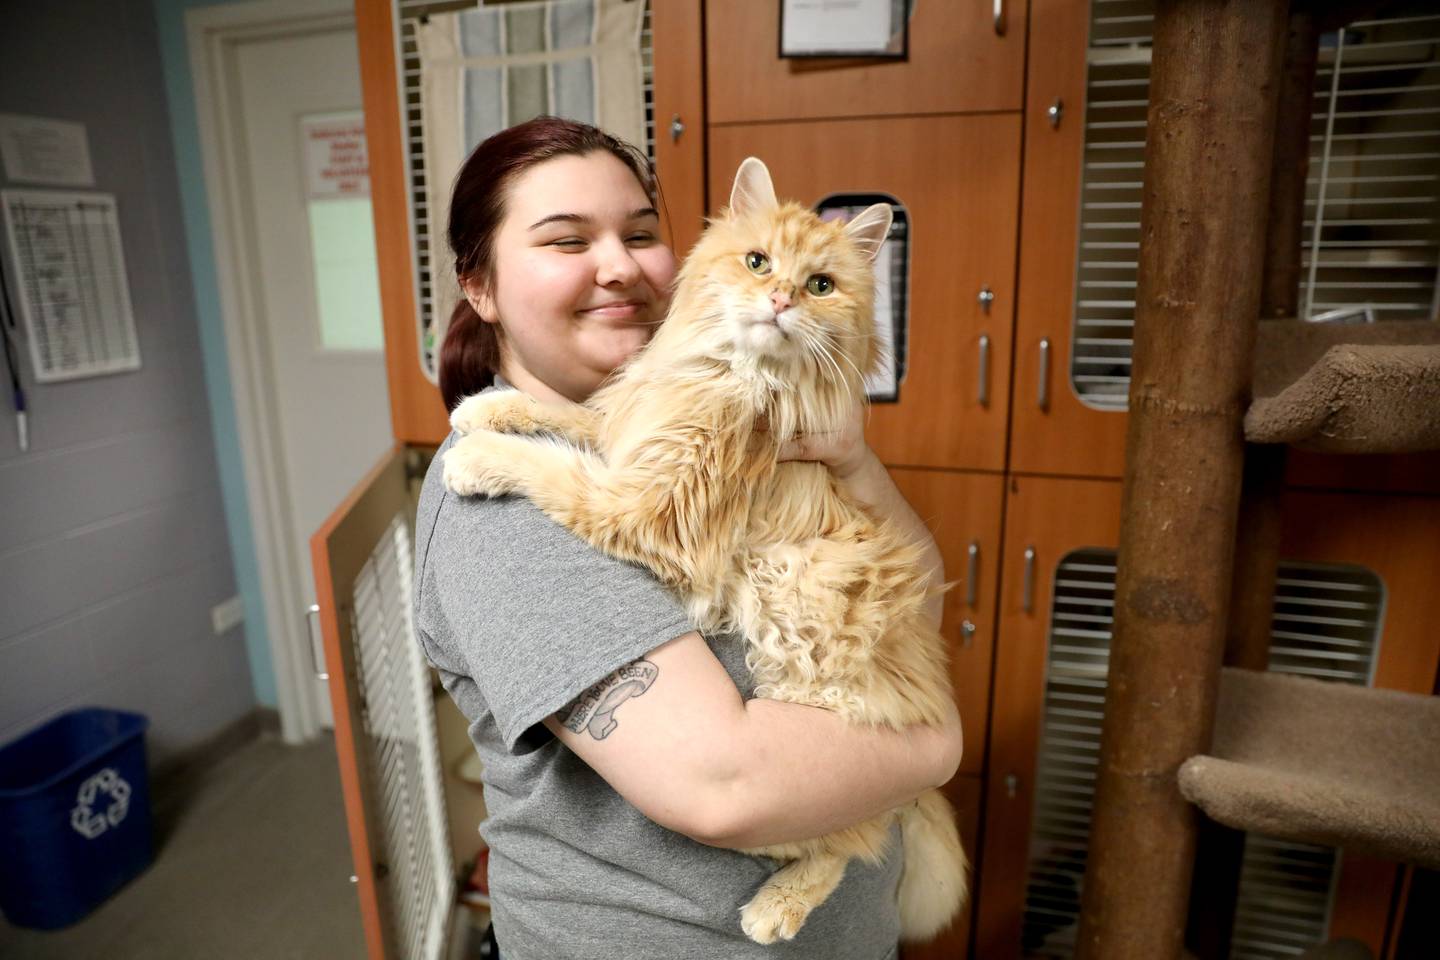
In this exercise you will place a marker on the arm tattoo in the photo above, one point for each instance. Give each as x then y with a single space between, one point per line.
594 710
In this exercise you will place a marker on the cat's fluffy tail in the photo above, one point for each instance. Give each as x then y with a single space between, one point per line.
933 886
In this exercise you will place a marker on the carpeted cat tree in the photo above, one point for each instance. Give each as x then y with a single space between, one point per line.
1220 246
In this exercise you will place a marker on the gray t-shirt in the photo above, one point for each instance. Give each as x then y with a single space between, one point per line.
520 616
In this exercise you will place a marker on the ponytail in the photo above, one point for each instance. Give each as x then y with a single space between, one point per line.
469 355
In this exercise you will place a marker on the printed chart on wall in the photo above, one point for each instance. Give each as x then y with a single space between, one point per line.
74 297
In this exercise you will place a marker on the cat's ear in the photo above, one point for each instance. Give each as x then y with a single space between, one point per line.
753 189
869 228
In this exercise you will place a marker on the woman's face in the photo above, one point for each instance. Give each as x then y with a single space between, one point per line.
581 276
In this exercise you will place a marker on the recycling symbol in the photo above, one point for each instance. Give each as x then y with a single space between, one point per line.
105 785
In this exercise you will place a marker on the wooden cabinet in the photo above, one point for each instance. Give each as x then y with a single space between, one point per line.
1396 538
958 178
959 61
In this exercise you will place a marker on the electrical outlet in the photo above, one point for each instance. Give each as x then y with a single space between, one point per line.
227 615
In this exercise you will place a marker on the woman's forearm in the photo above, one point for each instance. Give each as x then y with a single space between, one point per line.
799 772
870 483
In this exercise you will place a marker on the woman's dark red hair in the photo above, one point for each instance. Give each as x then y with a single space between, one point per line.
470 352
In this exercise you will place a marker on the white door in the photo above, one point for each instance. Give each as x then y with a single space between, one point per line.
317 319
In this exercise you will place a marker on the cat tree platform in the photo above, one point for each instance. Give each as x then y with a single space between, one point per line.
1347 388
1323 762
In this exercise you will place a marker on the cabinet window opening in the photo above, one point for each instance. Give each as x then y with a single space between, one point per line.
892 290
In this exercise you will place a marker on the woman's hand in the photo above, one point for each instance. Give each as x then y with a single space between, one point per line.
844 451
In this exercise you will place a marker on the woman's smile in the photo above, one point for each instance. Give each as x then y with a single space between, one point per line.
616 309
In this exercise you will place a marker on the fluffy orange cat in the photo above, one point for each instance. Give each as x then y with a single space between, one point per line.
672 464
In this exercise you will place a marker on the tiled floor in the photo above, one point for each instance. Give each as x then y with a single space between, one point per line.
253 863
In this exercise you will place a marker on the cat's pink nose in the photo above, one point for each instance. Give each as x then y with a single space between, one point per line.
779 300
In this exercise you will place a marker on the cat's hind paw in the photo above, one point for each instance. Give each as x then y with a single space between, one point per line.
774 914
476 465
503 411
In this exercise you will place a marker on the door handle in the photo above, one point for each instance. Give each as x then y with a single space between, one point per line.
677 127
972 573
1042 394
982 394
967 634
1027 589
999 18
312 614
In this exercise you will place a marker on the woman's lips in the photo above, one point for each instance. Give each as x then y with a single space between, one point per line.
618 311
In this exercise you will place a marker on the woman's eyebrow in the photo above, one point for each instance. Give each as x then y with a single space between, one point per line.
635 214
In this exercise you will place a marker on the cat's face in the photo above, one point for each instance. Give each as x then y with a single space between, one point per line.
782 290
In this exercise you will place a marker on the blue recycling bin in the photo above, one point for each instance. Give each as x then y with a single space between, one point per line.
74 815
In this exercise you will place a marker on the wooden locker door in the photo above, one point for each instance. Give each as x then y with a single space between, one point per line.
678 54
1064 435
958 62
399 838
962 511
959 179
1050 517
417 414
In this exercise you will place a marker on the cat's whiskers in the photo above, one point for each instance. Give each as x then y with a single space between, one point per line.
830 350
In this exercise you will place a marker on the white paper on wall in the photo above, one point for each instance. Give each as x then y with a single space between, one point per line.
72 288
37 150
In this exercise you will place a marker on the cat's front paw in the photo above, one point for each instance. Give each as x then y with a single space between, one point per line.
774 914
503 411
476 465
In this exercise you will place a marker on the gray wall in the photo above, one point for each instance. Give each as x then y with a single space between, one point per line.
113 545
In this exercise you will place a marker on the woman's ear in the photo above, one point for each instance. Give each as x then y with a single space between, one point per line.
480 300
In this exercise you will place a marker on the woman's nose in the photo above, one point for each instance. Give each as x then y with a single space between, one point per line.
617 266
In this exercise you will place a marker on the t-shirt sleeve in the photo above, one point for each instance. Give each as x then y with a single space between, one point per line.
532 613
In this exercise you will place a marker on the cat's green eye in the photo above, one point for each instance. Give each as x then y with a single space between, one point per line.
820 285
757 262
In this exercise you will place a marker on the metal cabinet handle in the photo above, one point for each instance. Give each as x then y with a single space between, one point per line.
1056 111
1012 784
677 127
1027 590
1042 396
982 392
967 634
312 615
972 573
999 18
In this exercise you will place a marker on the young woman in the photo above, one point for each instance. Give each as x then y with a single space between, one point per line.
613 817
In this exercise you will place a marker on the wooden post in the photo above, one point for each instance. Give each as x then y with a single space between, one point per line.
1213 85
1220 849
